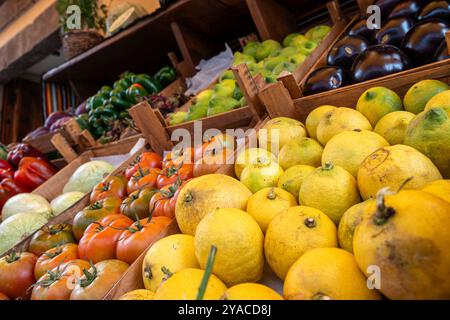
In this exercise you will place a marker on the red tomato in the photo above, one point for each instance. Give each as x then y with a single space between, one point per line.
178 156
4 297
163 201
147 160
17 274
172 174
100 238
115 186
55 257
143 178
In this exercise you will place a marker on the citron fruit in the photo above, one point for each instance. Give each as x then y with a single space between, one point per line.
279 131
140 294
441 100
312 121
252 156
267 203
204 194
439 188
184 285
291 180
429 132
351 218
420 93
378 102
348 149
327 274
167 256
261 175
406 236
393 126
391 167
251 291
304 151
294 232
338 120
239 241
330 189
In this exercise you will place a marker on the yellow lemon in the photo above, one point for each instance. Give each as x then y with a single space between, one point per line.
261 175
312 121
140 294
291 180
393 126
439 188
251 291
441 100
420 93
279 131
304 151
252 156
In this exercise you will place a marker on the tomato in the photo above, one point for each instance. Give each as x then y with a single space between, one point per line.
50 237
143 178
218 142
54 257
17 274
94 212
211 161
178 156
99 280
100 238
115 186
136 205
164 201
4 297
170 175
139 237
146 160
57 284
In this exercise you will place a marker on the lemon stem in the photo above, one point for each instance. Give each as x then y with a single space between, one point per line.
271 195
207 274
328 166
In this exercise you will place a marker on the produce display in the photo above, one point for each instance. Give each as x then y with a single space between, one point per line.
412 34
268 58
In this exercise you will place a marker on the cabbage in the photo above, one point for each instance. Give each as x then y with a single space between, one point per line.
87 176
65 201
26 203
18 227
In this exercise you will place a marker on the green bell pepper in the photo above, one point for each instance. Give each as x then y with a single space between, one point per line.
150 85
136 93
83 121
166 76
120 104
3 152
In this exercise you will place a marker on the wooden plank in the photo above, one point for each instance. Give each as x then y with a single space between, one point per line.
334 11
363 5
290 84
447 39
11 10
250 89
64 147
278 102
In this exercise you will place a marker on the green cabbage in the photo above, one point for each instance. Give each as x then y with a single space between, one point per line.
26 203
87 176
65 201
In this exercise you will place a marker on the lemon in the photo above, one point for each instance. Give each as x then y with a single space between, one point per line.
330 189
440 100
338 120
264 205
261 175
391 167
393 126
420 93
429 132
279 131
348 149
140 294
327 274
378 102
167 256
439 188
251 291
204 194
305 151
291 180
239 241
184 285
351 218
406 237
294 232
252 156
312 121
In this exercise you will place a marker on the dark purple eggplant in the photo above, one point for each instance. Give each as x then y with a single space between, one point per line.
81 109
345 51
386 7
379 61
393 31
53 117
422 41
409 9
435 9
326 78
36 133
442 52
360 29
58 124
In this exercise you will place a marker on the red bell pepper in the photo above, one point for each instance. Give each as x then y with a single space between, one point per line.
4 196
6 174
5 165
13 186
21 151
33 172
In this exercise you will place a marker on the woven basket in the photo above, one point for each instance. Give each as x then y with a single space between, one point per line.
78 41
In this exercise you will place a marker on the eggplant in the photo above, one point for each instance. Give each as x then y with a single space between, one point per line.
360 29
386 7
393 31
435 9
81 109
36 133
53 117
326 78
422 41
345 51
442 52
409 9
59 124
378 61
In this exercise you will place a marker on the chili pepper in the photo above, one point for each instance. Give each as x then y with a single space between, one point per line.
5 165
13 186
33 172
23 150
6 173
166 76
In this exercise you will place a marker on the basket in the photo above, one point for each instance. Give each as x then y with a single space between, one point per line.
78 41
